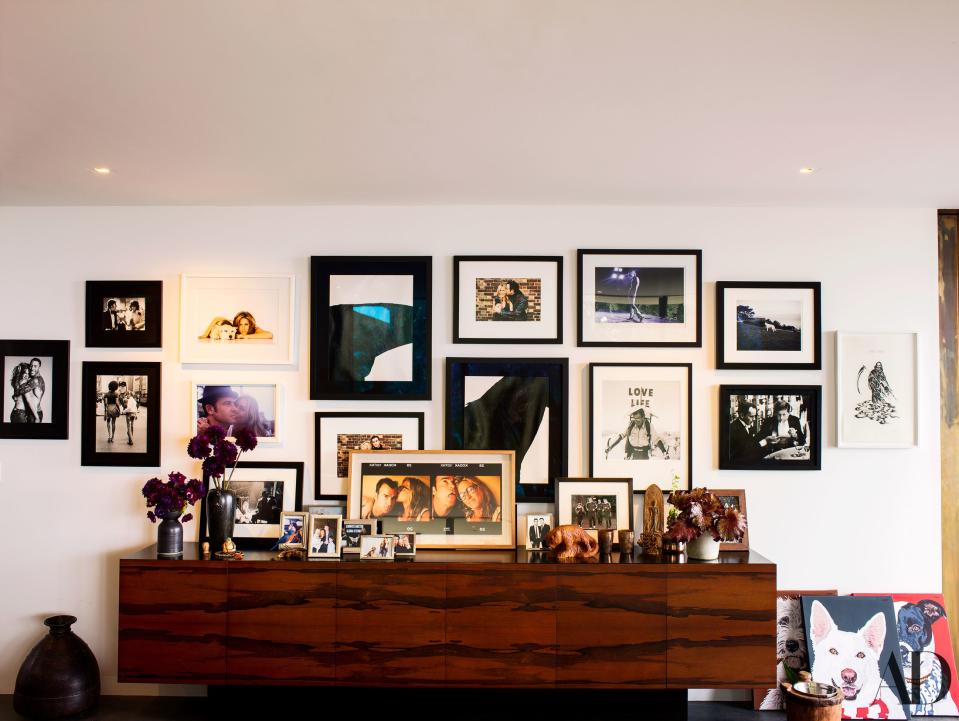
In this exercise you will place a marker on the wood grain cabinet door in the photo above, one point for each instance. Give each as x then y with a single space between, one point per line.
611 627
500 626
390 624
281 622
172 623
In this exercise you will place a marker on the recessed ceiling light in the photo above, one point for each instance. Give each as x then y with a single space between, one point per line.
101 170
807 170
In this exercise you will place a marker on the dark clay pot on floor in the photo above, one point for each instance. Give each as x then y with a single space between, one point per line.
60 676
220 516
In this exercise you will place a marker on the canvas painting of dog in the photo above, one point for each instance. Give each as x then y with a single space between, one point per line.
925 650
791 655
853 645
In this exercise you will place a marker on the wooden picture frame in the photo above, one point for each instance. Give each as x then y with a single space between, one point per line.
738 497
317 519
141 324
41 410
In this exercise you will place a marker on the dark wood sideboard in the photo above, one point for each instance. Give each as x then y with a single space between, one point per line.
497 619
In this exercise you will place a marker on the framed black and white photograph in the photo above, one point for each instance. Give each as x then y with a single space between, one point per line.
877 390
595 504
337 433
325 536
507 299
255 407
769 427
734 498
264 490
124 314
376 548
120 414
237 319
639 298
640 423
36 390
404 545
514 404
537 526
768 326
294 529
353 530
370 328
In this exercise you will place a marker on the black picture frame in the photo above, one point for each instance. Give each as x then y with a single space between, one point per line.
558 300
150 290
556 370
89 421
754 460
418 416
697 342
59 426
246 543
599 483
323 384
723 364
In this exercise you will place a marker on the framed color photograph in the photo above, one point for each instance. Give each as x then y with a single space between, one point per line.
370 328
507 299
735 498
513 404
768 326
376 548
353 530
252 406
326 534
877 390
294 527
237 319
451 499
338 433
640 423
124 314
36 389
769 427
404 545
639 298
264 490
595 503
120 414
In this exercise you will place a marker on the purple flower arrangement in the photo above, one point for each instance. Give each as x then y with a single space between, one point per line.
217 452
172 496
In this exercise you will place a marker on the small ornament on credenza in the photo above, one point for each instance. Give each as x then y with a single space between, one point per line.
229 552
205 549
571 542
654 521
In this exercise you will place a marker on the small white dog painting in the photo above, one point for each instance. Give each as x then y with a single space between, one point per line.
791 657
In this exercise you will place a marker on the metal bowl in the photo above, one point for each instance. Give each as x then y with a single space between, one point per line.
813 688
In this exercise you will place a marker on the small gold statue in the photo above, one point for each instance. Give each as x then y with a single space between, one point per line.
229 546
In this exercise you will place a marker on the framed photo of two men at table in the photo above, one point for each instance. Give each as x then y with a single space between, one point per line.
770 428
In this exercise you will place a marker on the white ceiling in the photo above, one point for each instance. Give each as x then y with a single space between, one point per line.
480 101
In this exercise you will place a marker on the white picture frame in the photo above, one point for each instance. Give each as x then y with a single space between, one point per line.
528 540
257 390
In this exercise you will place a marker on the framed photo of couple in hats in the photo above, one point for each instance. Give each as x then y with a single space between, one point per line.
253 406
640 423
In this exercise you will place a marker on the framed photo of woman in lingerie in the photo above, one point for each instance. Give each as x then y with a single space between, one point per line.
120 414
640 423
450 499
370 335
235 403
36 389
515 404
124 314
237 319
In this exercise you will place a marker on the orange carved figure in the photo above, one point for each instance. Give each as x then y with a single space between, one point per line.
571 542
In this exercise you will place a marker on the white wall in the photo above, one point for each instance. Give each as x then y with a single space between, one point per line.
869 521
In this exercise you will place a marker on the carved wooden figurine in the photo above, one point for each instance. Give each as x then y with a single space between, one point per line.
571 542
654 521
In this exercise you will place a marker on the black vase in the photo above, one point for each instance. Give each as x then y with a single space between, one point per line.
170 536
59 677
220 516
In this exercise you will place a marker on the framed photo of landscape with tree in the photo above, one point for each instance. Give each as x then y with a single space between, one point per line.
768 326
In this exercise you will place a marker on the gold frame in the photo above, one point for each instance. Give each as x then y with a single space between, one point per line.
338 535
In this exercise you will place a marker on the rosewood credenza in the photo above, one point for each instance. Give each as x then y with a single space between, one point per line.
496 619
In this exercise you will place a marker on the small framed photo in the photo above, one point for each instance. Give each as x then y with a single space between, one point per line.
326 534
376 548
294 526
124 314
768 326
120 421
404 544
767 427
639 298
237 319
640 423
264 491
329 509
36 398
537 526
507 299
734 498
595 504
353 530
252 406
338 433
370 328
877 390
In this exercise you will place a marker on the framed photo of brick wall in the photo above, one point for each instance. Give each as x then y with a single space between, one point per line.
507 299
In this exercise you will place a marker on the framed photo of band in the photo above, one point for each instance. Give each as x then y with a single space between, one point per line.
639 298
450 499
124 314
595 504
507 299
370 328
514 404
36 398
640 423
